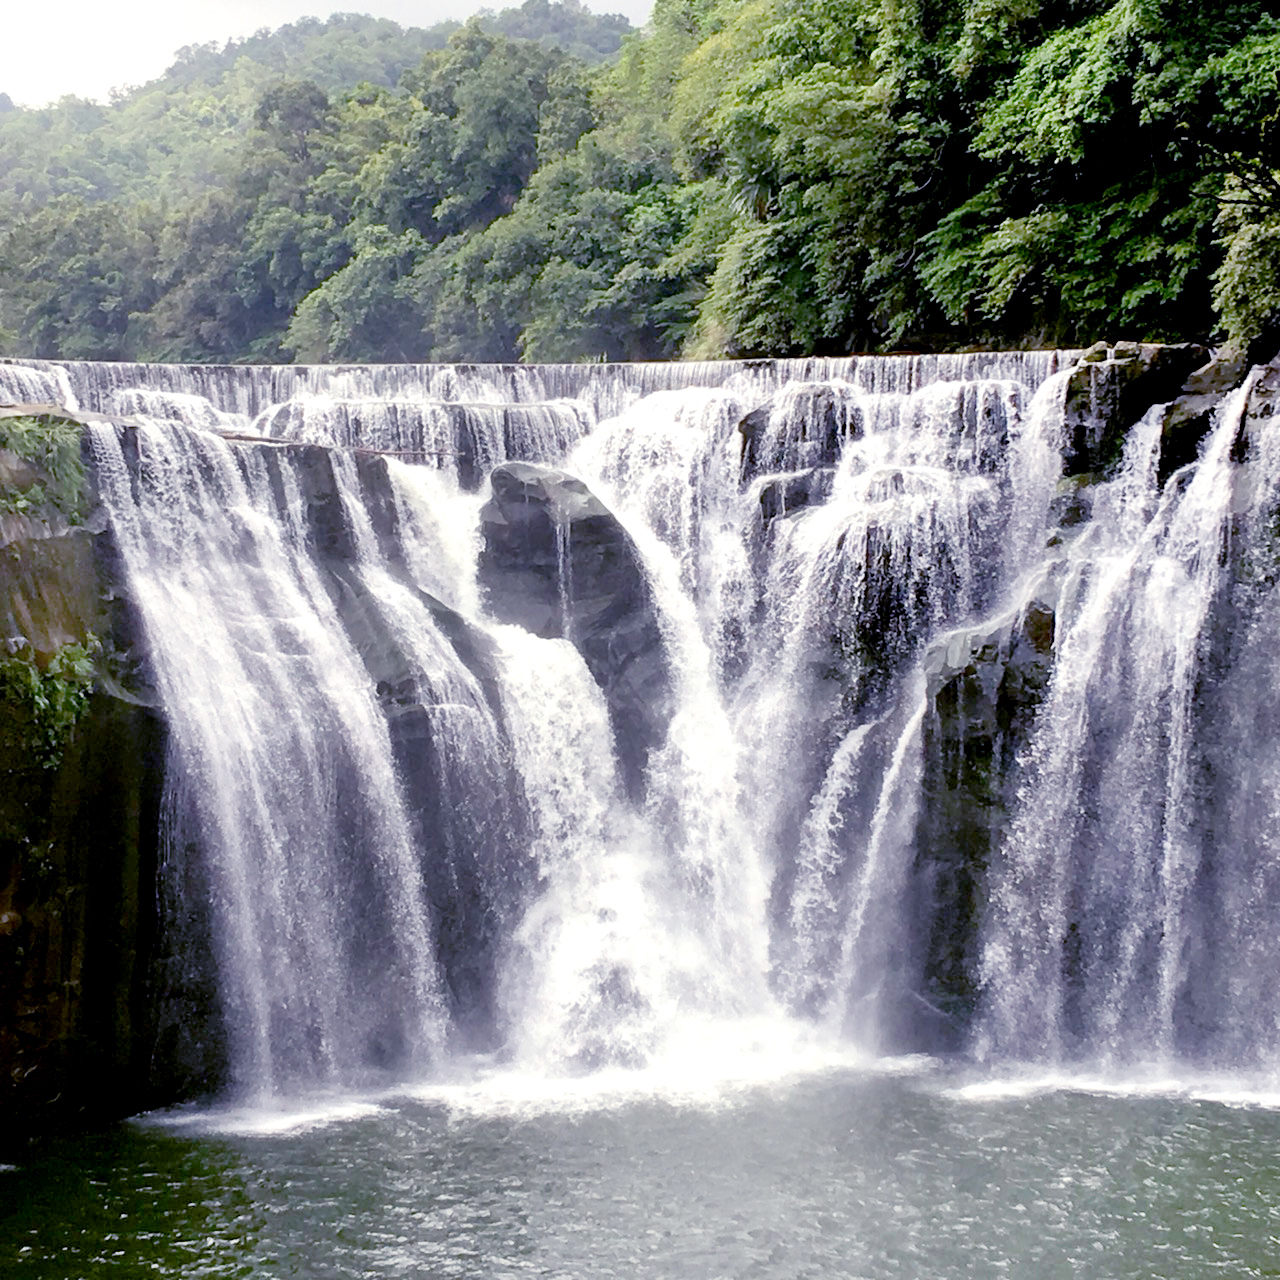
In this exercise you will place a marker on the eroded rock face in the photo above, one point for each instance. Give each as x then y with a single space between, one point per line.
557 562
985 686
1112 387
79 836
799 428
781 495
473 858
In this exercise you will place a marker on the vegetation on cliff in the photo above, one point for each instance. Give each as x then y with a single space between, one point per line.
52 481
40 707
745 177
79 788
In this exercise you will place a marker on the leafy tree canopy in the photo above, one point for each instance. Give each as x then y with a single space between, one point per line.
742 177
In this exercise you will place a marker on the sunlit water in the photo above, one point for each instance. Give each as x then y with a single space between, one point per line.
904 1170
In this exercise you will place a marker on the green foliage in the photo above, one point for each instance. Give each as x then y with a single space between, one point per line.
359 313
745 177
39 708
41 701
567 25
77 274
1247 284
1105 170
52 446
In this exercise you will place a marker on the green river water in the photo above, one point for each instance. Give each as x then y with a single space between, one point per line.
897 1172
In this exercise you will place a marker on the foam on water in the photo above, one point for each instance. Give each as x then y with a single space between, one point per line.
1160 1080
296 1116
714 1065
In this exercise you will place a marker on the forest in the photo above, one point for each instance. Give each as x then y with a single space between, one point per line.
739 178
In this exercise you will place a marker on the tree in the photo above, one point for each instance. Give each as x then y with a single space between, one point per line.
1098 215
77 275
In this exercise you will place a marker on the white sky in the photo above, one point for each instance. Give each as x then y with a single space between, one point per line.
49 48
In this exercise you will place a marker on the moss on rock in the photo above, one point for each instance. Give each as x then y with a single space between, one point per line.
81 767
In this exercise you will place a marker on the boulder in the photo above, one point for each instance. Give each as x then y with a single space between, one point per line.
1106 396
1263 403
985 685
557 562
1072 505
804 430
781 495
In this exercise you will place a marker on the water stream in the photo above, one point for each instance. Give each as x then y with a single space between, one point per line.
441 918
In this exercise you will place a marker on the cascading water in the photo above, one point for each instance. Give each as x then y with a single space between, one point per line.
1129 905
283 761
422 832
44 384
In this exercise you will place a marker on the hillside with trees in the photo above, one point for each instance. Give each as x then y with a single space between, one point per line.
743 177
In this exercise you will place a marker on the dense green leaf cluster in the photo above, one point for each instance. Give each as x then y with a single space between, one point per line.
39 708
53 447
745 177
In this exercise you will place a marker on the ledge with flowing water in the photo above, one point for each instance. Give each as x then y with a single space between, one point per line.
891 701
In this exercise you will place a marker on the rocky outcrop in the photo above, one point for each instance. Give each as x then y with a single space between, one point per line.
557 562
798 429
81 770
1111 387
985 685
474 859
781 495
1261 407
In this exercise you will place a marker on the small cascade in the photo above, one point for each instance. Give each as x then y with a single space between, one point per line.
559 714
30 383
607 389
281 763
468 439
175 406
821 535
591 978
1108 935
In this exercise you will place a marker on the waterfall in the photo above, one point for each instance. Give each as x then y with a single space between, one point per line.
41 384
829 696
283 759
1121 886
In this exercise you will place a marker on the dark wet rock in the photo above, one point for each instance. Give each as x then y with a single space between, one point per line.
807 432
782 495
327 521
1255 416
474 858
1072 504
1216 377
1187 420
80 983
1105 397
557 562
985 685
1263 404
1189 417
